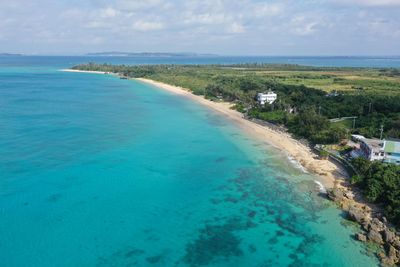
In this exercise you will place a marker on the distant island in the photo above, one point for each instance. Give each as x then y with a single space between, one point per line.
10 54
148 54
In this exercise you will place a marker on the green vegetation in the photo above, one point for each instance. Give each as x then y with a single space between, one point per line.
381 184
303 105
324 154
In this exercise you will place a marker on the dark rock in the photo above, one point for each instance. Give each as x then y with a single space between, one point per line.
376 225
361 237
388 235
375 237
365 225
387 261
396 243
392 256
392 252
336 194
381 255
358 215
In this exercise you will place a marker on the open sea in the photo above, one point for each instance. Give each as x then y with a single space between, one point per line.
98 171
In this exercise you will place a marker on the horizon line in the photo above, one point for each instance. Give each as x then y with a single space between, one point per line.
92 54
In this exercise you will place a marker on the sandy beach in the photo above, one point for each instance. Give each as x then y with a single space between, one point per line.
83 71
328 171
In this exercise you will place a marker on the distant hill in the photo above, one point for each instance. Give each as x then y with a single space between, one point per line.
148 54
9 54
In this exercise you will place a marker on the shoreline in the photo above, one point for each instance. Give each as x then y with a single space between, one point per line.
83 71
330 174
374 227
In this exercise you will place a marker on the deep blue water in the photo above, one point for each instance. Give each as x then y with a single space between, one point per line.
98 171
63 61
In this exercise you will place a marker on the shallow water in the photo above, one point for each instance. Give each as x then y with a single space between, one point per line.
98 171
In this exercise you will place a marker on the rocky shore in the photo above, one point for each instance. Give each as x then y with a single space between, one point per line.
374 227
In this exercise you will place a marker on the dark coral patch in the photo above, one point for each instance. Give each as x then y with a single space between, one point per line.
215 201
53 198
220 159
154 259
134 252
231 199
273 240
251 214
280 233
214 242
252 248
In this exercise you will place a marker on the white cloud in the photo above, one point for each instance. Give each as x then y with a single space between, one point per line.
145 26
267 9
108 12
201 25
236 28
372 3
302 26
137 5
205 18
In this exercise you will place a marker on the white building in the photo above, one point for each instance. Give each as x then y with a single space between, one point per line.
269 98
357 137
372 149
383 150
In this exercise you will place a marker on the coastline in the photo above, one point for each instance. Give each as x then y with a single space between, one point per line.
83 71
374 227
331 174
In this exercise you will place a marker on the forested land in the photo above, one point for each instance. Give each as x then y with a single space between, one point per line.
307 96
380 183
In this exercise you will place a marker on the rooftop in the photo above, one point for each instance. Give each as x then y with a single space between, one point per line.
373 143
392 147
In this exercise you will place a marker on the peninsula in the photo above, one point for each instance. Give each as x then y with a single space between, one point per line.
313 106
147 54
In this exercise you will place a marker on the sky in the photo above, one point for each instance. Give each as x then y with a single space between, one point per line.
225 27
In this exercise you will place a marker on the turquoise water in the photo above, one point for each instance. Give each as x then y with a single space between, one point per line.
98 171
63 61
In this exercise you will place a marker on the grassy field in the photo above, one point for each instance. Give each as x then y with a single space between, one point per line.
348 124
346 80
351 80
197 77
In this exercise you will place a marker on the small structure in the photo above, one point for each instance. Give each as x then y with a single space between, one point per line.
332 94
392 151
269 98
383 150
357 137
372 149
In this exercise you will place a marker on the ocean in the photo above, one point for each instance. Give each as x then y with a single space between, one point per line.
98 171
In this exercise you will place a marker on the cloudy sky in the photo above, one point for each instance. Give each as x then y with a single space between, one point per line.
230 27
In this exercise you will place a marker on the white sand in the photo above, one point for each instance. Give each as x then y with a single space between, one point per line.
329 172
83 71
